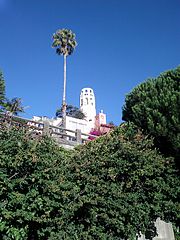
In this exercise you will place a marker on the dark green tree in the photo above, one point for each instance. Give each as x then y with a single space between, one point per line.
64 42
2 90
154 106
14 106
71 111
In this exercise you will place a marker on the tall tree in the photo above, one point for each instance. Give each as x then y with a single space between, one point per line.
2 89
14 106
64 41
154 107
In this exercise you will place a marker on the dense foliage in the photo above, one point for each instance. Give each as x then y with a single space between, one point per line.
111 188
32 190
124 185
154 106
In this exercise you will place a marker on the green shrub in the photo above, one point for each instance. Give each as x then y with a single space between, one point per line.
111 188
33 189
123 186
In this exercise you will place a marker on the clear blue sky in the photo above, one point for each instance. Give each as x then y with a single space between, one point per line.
120 44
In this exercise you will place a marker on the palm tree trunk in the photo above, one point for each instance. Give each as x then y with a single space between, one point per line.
64 95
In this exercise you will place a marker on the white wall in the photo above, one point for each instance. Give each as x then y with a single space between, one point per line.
88 105
74 123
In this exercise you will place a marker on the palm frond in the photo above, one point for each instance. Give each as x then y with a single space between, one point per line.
64 41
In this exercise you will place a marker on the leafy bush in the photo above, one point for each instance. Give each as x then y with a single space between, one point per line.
33 189
123 186
111 188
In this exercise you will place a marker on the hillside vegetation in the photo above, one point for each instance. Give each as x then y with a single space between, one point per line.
111 188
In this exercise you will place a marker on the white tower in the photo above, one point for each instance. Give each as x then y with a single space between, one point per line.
88 105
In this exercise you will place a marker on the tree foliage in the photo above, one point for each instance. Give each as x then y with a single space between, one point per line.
111 188
2 89
64 41
33 190
154 107
14 106
71 111
124 185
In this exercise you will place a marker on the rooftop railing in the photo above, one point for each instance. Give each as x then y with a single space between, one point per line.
60 134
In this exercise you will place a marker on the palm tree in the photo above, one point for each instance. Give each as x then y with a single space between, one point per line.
14 106
64 41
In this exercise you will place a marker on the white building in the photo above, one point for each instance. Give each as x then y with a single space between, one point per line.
87 106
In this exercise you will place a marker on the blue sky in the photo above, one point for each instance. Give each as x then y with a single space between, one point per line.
121 43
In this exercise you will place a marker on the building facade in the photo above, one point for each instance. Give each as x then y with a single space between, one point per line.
87 106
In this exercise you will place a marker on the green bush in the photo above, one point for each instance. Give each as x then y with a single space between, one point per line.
33 189
123 186
111 188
